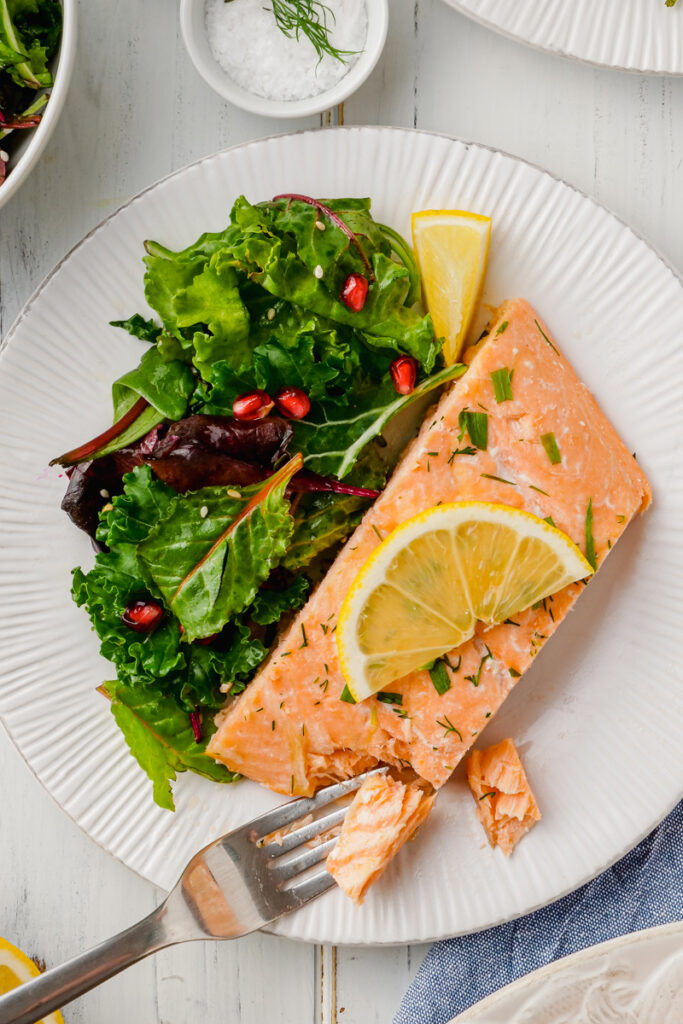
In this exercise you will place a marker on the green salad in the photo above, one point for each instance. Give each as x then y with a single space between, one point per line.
246 445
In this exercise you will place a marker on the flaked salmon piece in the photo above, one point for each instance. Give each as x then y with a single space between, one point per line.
384 814
290 730
506 807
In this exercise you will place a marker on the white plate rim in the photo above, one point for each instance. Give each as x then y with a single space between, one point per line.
542 974
557 51
378 129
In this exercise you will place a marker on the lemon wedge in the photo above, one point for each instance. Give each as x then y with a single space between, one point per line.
15 969
452 248
422 591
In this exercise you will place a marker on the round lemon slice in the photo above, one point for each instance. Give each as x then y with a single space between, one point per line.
422 591
15 969
452 248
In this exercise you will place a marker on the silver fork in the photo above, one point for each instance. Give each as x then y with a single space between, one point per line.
234 886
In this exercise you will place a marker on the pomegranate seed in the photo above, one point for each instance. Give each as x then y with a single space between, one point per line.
404 373
354 292
293 403
142 616
254 406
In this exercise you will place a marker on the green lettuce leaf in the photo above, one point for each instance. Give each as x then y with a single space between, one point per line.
145 330
166 385
322 521
209 556
269 606
285 253
160 737
331 438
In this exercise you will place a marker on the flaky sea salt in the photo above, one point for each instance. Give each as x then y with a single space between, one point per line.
246 41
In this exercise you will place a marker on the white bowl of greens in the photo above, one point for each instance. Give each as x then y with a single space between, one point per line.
37 54
307 24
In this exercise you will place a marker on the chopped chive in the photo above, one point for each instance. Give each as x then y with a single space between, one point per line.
490 476
621 519
477 426
305 639
324 628
484 795
456 667
540 491
347 696
550 521
514 673
377 531
390 698
590 540
449 727
503 328
467 450
546 338
502 385
440 678
433 454
475 680
609 544
552 451
510 622
487 715
272 725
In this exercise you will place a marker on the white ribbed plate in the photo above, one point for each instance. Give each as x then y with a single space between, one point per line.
631 35
635 979
599 718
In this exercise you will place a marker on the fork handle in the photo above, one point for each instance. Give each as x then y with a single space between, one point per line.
36 999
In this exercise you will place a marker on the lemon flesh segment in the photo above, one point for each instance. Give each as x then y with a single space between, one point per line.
15 969
452 249
422 591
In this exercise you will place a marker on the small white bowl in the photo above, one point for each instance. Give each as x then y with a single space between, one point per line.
26 152
193 25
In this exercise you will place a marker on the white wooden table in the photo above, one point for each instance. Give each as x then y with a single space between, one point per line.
137 110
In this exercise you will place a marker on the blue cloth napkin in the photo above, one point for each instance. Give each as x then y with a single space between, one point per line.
643 889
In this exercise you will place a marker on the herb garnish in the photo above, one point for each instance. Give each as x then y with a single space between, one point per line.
347 696
484 795
514 673
503 328
550 521
390 698
305 638
475 680
499 479
449 727
545 336
309 18
502 384
477 426
550 444
590 540
539 489
467 450
440 678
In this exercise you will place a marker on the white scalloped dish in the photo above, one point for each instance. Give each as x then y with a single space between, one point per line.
630 35
599 717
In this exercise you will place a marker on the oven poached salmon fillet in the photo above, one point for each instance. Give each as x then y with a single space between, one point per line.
290 730
506 807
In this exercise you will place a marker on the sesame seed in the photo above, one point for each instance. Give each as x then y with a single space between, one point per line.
204 511
320 226
318 272
104 493
271 313
232 493
4 155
